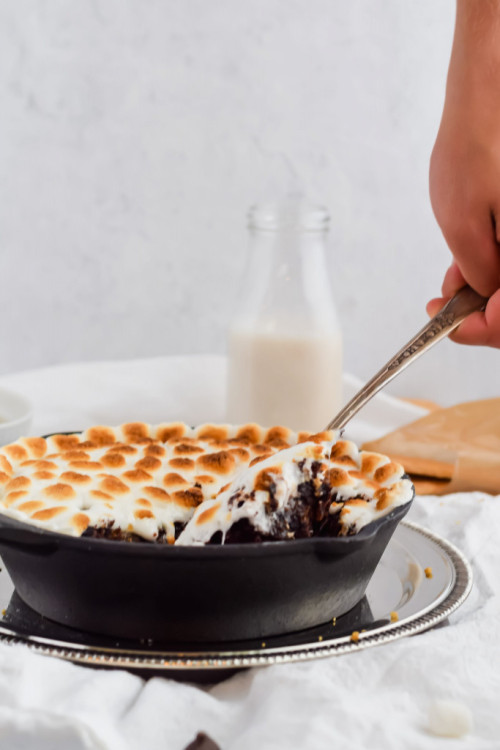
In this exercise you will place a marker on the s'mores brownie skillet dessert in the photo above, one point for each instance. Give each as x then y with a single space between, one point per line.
213 484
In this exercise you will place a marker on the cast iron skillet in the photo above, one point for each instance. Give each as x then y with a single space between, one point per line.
212 593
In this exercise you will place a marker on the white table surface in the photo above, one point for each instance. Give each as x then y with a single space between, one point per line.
378 698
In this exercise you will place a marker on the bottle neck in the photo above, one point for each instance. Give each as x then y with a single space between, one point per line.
287 263
286 282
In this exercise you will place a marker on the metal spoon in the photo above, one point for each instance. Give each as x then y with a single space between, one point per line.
465 302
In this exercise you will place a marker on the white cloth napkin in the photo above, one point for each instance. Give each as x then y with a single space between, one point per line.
377 698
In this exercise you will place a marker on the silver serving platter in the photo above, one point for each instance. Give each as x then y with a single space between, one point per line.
401 600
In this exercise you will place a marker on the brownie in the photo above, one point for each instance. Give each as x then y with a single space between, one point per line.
202 742
116 534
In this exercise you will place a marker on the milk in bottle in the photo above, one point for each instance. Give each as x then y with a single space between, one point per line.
285 342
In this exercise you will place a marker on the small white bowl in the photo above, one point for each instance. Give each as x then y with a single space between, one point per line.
16 413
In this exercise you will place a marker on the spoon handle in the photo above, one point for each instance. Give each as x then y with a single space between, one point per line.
465 302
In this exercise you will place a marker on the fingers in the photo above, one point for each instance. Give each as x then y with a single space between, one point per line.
480 328
435 305
453 281
475 250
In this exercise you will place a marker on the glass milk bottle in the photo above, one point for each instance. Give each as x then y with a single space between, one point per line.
285 342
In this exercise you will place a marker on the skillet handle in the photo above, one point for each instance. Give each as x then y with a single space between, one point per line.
22 541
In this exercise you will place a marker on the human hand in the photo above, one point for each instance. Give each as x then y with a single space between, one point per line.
465 168
479 328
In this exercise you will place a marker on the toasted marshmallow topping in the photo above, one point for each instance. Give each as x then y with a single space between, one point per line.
147 480
139 478
364 487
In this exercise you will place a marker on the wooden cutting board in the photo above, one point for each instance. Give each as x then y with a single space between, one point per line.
450 450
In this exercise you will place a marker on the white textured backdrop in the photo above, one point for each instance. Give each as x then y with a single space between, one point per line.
134 135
